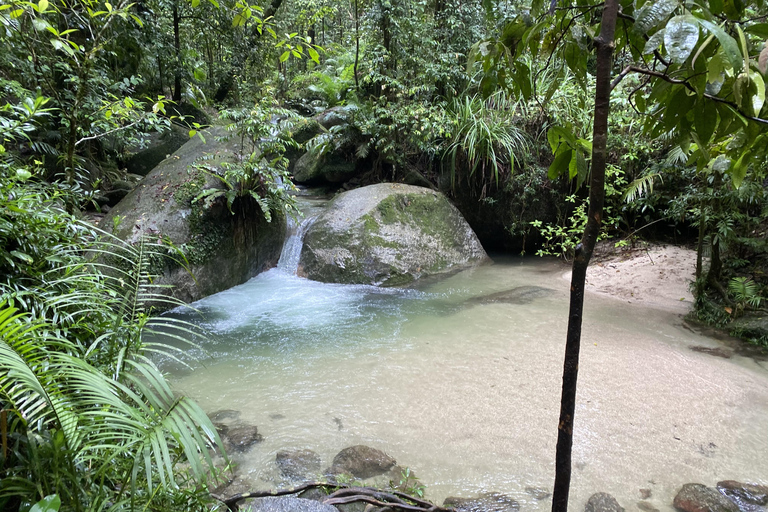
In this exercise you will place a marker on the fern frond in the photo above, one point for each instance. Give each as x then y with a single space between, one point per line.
640 187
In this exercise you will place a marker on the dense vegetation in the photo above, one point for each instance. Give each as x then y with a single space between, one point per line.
490 101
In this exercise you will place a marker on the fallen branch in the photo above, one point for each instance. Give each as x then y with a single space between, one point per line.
344 494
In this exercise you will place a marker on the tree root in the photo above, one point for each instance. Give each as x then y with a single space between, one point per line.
344 493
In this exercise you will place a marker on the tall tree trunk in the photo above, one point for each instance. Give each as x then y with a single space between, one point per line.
177 50
604 44
357 44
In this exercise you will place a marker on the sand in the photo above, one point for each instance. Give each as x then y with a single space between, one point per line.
657 276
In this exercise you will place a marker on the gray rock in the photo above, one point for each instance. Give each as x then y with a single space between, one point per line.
336 166
700 498
222 249
602 502
743 493
361 461
289 504
486 502
224 415
752 326
242 437
297 464
388 234
158 147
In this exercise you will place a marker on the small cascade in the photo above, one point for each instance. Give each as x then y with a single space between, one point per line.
289 257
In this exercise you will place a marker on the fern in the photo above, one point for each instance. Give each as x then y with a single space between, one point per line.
642 186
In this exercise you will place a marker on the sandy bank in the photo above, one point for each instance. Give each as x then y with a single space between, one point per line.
657 276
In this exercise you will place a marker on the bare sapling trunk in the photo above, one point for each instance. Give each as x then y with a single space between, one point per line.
604 44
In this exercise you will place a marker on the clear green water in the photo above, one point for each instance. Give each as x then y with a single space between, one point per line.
466 392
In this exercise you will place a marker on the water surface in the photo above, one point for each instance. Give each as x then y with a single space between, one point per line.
463 386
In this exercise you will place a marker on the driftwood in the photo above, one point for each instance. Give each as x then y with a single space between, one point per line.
344 493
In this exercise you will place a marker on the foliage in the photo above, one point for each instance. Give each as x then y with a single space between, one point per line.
261 172
409 484
485 138
90 419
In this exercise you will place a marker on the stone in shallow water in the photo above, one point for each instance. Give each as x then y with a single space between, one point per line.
700 498
243 437
361 461
486 502
538 493
289 504
224 415
297 464
744 494
517 296
602 502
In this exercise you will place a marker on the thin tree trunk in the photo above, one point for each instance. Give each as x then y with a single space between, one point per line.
177 50
604 44
357 44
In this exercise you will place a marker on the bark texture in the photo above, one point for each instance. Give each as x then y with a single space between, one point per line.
604 44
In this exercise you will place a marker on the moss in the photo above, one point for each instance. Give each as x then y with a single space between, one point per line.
189 189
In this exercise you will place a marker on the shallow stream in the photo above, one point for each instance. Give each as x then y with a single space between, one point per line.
459 379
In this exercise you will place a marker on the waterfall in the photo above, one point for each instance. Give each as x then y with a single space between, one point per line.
289 257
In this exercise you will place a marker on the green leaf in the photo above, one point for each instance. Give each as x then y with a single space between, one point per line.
195 3
22 256
23 174
50 503
313 54
285 55
192 133
560 163
705 120
758 29
652 14
654 42
727 43
680 37
739 171
42 5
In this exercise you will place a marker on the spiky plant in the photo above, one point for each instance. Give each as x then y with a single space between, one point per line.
485 142
85 415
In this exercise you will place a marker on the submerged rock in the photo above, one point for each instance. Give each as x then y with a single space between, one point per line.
297 464
602 502
744 494
289 504
389 235
242 437
538 493
361 461
518 296
222 249
700 498
486 502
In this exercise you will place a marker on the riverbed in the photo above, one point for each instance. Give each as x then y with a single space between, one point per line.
459 380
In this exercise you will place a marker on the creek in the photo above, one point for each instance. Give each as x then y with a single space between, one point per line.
458 378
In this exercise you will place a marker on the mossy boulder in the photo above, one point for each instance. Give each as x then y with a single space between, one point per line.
223 249
388 234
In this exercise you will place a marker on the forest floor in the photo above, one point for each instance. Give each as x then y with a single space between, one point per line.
657 276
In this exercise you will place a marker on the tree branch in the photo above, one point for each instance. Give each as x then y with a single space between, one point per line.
667 78
100 135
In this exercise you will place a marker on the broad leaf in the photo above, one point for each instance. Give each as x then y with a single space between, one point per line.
560 164
728 43
652 14
680 37
705 120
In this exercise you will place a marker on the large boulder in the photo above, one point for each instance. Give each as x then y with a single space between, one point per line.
223 249
388 234
141 159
